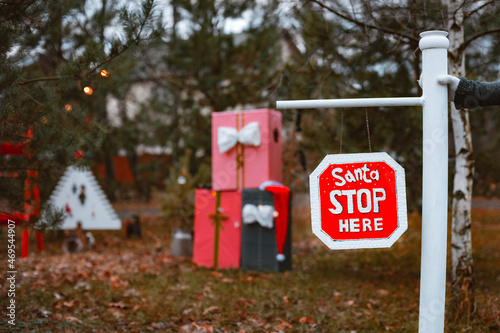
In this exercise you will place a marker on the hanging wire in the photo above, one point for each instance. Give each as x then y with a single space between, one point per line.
368 131
341 127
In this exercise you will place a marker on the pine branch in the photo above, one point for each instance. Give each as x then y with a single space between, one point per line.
40 79
147 13
30 97
364 24
14 13
91 72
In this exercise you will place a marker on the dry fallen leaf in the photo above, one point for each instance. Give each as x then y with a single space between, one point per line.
247 279
282 326
210 309
195 328
207 327
166 259
306 320
350 302
44 313
57 316
246 300
117 313
160 326
216 274
258 322
131 292
383 292
72 319
69 304
114 278
119 305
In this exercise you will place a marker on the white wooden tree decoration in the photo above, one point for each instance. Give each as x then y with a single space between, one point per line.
83 200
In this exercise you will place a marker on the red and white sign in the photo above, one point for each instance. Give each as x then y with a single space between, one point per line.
358 201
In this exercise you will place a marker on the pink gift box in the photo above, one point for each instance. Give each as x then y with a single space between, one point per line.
246 165
229 243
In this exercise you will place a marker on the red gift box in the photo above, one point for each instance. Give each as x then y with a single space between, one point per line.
246 148
217 228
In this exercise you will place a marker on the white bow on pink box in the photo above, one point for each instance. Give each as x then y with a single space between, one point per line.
228 137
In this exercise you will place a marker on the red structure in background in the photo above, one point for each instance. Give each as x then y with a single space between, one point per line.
31 192
122 170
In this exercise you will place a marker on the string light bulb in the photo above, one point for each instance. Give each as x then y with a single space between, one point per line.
88 90
104 73
68 107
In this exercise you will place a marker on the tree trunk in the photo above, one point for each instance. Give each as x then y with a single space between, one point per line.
461 243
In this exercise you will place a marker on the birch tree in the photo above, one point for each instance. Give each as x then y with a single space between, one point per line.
461 238
461 241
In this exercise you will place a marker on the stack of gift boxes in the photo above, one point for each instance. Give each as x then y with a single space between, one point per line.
243 221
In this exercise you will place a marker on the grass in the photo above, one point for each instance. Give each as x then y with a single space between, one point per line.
136 285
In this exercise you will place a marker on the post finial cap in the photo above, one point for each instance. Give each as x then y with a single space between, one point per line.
434 39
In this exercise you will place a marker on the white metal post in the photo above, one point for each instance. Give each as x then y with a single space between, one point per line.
349 103
434 46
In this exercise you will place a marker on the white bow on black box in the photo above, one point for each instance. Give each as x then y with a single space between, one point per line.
262 214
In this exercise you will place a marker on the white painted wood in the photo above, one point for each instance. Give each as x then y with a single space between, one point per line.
93 209
434 45
349 103
358 243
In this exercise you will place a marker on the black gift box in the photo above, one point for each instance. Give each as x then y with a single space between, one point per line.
258 244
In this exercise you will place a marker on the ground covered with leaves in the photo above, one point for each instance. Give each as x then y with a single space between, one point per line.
136 285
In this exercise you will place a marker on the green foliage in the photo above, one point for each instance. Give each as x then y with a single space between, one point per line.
51 219
177 200
50 51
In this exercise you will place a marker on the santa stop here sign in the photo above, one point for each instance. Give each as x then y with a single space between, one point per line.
358 201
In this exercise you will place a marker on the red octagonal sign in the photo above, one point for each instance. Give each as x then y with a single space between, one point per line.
358 201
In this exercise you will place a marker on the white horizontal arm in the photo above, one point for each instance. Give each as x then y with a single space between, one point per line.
350 103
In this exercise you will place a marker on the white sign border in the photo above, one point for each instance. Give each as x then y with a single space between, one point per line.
400 201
